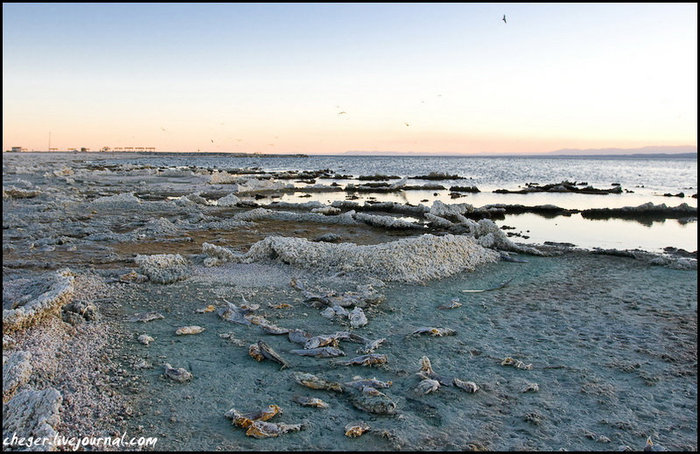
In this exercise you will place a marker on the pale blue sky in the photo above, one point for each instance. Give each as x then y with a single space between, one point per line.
268 77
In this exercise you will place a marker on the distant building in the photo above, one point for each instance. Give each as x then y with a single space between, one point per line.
53 149
105 149
84 149
16 149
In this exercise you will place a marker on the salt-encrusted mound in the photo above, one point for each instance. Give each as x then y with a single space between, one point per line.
59 293
264 213
228 201
33 414
13 192
489 235
441 209
117 201
438 221
389 222
163 268
16 370
644 209
410 259
222 177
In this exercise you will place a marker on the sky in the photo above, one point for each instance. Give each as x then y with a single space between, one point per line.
332 78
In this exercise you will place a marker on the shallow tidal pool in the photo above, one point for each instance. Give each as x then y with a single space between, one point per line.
612 343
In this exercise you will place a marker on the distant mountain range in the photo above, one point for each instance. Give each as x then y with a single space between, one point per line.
660 151
684 149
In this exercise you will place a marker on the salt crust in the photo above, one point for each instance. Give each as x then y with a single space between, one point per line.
48 303
33 413
16 370
162 268
409 260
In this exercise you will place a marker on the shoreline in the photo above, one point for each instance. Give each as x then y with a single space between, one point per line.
174 241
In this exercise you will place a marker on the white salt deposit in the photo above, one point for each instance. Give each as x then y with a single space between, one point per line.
410 259
163 268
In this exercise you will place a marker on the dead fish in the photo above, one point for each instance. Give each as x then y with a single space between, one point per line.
356 429
373 359
326 340
379 404
357 317
272 355
427 385
273 329
203 310
255 352
370 391
321 352
257 319
357 339
334 311
370 347
280 306
468 386
179 374
298 336
426 371
435 332
245 420
232 313
489 289
145 339
531 388
188 330
454 303
508 361
309 402
232 337
359 383
262 429
145 317
314 382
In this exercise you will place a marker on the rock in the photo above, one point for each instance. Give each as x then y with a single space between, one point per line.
328 238
357 318
145 339
16 370
356 429
88 311
179 375
72 318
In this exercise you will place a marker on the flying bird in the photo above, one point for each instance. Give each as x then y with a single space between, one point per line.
341 113
407 124
504 19
212 140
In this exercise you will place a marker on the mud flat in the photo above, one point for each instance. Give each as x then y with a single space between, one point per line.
104 264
